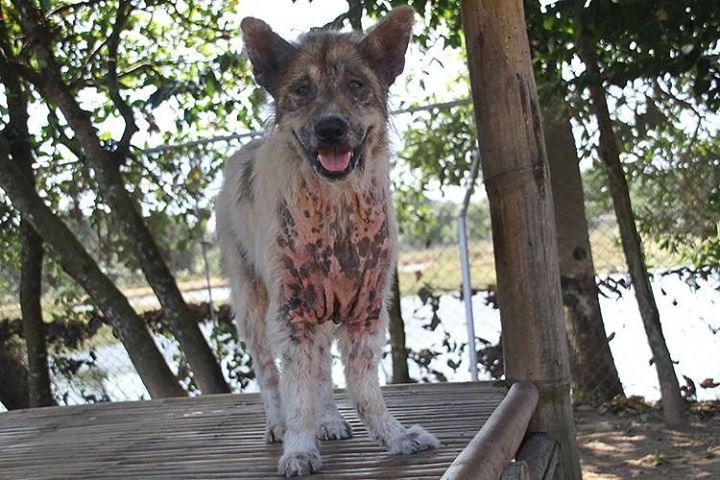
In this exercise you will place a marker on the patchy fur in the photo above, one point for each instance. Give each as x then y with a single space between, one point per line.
308 234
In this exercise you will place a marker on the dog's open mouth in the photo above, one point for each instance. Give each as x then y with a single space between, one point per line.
336 162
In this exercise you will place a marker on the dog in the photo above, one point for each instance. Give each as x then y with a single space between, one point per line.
308 234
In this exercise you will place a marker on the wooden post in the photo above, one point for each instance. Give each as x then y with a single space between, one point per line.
540 453
515 171
516 471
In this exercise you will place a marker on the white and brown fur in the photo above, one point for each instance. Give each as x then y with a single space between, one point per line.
309 253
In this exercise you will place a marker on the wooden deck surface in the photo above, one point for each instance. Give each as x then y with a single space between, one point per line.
221 436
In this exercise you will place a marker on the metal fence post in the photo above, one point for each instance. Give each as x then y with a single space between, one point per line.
465 262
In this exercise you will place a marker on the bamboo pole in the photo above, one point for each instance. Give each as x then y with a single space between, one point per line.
516 174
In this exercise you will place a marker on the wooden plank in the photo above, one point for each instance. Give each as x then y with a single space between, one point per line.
541 452
496 443
221 436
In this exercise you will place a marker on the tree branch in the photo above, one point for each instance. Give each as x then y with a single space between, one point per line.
69 143
123 13
109 177
76 261
16 98
686 104
63 9
48 80
223 33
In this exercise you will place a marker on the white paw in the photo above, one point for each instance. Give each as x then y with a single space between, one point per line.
415 439
295 464
274 432
334 429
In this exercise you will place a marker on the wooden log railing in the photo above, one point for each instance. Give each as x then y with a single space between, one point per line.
497 442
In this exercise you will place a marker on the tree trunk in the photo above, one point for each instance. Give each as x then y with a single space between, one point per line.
672 402
13 375
595 378
397 335
32 248
73 258
33 324
207 372
517 181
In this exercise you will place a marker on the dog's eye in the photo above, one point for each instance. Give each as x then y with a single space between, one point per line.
301 90
356 86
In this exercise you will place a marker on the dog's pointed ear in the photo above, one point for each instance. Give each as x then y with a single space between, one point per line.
385 46
269 53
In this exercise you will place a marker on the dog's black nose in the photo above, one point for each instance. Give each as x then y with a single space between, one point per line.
331 130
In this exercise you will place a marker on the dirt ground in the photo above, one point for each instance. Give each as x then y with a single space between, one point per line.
637 445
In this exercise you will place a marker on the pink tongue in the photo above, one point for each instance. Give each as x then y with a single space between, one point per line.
333 160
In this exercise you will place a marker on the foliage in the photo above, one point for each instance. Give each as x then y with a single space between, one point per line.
636 39
178 60
662 69
675 166
9 253
426 224
440 16
439 19
663 77
439 145
178 67
173 70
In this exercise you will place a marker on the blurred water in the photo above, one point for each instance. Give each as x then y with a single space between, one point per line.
690 319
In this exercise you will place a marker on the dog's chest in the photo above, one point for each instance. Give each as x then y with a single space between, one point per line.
334 256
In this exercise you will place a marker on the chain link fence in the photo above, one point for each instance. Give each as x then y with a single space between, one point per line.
89 364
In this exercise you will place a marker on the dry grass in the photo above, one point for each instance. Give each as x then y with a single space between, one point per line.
440 267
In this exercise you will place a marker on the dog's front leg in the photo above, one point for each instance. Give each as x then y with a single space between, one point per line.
361 350
330 424
300 451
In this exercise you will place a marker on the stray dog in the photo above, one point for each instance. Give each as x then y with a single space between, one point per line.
308 233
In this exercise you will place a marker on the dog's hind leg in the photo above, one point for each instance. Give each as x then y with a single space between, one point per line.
361 349
250 302
330 424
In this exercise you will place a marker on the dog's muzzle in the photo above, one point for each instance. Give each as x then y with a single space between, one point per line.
333 158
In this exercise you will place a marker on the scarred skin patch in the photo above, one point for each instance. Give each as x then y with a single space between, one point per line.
334 259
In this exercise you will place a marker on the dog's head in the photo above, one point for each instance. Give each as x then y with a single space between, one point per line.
331 88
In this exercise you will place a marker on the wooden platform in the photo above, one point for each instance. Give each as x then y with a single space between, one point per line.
221 436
